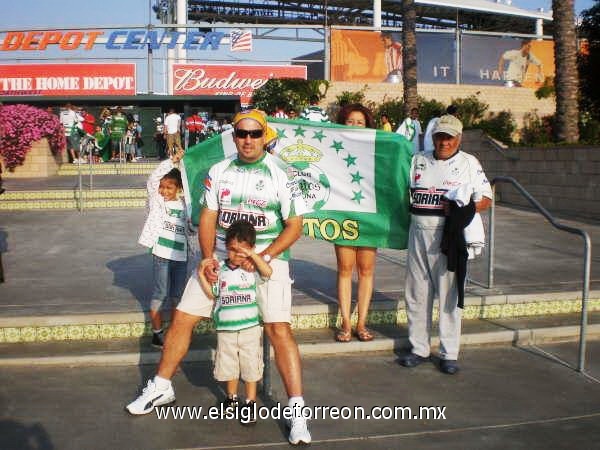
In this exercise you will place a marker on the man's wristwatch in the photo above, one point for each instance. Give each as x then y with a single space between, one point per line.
267 258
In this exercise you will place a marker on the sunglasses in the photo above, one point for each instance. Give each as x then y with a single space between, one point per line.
243 134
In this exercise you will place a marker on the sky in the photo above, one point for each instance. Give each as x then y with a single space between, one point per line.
580 5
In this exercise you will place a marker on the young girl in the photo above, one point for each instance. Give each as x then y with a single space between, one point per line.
165 233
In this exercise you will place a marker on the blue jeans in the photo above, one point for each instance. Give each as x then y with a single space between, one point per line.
169 281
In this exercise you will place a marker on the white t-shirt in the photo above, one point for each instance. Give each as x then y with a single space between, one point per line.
173 123
431 178
259 192
69 119
428 139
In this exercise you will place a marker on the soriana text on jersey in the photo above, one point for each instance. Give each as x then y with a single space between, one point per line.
228 216
427 201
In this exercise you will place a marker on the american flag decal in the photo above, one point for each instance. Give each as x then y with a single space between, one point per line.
241 41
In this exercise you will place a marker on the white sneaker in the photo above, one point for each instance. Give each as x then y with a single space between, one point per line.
151 396
299 434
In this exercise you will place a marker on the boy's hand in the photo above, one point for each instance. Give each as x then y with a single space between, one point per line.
248 265
208 267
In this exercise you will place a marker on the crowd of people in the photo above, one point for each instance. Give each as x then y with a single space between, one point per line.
243 278
114 136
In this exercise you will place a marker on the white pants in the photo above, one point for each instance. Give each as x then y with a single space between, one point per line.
427 278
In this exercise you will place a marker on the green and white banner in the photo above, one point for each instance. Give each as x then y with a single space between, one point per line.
354 179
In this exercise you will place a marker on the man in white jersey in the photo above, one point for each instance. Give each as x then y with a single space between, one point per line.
433 175
253 186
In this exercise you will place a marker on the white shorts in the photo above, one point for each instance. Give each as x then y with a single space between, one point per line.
239 355
274 297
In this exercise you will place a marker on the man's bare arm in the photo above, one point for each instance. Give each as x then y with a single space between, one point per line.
290 234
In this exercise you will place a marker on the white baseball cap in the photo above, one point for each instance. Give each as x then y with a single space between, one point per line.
448 124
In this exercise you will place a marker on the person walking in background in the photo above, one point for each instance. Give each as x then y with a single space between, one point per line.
314 112
70 120
165 234
159 139
118 127
428 266
349 257
139 143
410 128
101 142
237 317
194 125
172 131
130 142
385 123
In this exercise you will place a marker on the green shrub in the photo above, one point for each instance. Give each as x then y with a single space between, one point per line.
347 97
589 129
500 126
470 110
536 130
288 92
547 89
428 109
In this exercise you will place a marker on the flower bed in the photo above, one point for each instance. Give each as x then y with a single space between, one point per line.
21 126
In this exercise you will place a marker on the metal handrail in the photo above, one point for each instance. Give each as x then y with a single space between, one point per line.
586 263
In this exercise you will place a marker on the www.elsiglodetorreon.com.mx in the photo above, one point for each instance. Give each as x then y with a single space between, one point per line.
310 412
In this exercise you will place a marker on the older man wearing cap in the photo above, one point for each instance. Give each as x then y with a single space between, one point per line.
251 185
434 175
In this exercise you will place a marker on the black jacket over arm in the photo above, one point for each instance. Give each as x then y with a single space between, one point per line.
454 245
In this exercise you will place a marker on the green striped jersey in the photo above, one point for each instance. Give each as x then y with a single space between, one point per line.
235 299
264 193
172 242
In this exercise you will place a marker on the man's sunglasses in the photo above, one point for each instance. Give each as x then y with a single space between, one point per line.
243 134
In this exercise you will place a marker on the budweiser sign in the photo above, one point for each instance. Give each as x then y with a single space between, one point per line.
203 79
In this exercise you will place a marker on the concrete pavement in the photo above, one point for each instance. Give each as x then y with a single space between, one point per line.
80 266
67 263
504 397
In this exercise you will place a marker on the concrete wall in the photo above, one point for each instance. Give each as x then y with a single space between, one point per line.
519 101
39 162
565 180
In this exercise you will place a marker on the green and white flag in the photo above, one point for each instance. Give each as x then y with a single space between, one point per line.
355 180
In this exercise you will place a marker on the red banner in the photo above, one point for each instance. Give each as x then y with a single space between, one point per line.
67 79
204 79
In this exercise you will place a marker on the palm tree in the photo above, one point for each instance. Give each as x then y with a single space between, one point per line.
566 79
409 55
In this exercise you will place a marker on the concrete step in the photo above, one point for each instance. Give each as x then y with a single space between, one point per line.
108 168
318 342
308 316
72 199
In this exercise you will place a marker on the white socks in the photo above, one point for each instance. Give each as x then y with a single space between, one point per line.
162 384
296 403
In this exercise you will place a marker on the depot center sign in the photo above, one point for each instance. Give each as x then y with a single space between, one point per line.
114 40
67 79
